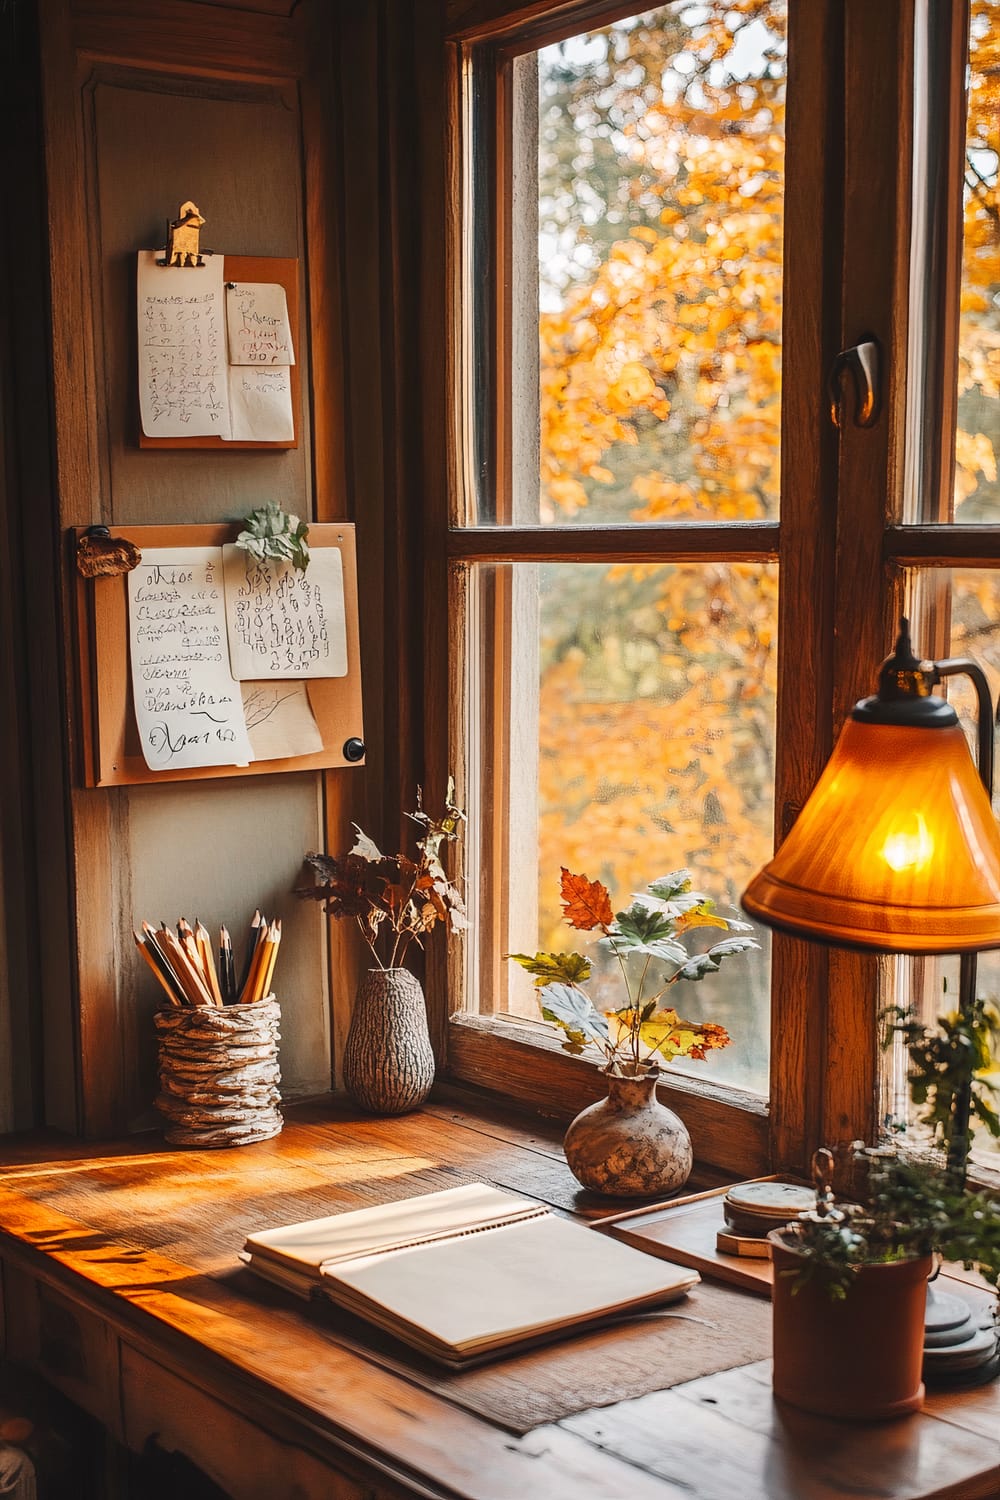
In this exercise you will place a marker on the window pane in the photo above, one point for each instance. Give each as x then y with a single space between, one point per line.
977 493
960 610
639 734
646 269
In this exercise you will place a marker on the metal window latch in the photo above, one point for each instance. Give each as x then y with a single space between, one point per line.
861 362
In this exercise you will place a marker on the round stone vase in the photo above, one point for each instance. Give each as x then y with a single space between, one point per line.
388 1061
629 1145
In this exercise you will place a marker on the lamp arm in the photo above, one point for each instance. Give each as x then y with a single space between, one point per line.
958 1145
961 666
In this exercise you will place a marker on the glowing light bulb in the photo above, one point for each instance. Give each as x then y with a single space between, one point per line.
911 849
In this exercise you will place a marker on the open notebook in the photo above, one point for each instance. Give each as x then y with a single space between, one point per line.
465 1274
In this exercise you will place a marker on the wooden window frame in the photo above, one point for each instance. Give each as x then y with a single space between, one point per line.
848 190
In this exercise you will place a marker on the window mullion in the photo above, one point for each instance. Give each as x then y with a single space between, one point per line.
810 330
878 111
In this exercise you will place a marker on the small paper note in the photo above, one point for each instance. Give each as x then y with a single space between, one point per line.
188 708
282 622
260 403
257 320
280 720
183 373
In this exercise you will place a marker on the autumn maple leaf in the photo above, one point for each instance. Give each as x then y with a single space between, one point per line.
587 903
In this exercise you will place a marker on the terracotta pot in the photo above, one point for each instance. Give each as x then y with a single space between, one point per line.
858 1358
388 1060
629 1145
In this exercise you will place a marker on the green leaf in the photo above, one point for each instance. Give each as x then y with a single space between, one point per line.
573 968
272 532
639 930
666 887
707 963
571 1009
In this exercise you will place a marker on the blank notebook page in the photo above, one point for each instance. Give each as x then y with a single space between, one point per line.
537 1274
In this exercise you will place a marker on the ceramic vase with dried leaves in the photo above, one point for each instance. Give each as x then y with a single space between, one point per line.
629 1145
388 1061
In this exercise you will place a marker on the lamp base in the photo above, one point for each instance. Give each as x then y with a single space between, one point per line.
961 1345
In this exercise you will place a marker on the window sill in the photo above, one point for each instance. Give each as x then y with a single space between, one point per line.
729 1128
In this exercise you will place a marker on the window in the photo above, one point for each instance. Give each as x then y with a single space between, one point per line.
672 575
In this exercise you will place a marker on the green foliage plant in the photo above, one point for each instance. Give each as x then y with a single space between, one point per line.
916 1203
273 532
648 935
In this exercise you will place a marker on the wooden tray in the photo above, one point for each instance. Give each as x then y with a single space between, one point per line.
684 1231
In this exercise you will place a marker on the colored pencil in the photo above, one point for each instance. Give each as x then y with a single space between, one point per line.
249 955
147 955
184 962
204 943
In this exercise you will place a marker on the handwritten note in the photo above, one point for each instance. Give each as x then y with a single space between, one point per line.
260 404
182 349
188 708
283 623
257 321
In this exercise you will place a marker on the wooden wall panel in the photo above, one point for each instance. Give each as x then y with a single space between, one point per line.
146 105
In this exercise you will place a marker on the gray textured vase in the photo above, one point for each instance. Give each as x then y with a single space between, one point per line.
629 1145
388 1061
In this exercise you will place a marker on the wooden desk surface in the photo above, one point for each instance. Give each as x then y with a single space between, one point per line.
117 1265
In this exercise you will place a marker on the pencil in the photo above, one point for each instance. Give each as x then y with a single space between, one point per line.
226 970
264 965
249 991
265 988
159 958
185 937
204 943
148 956
188 977
249 957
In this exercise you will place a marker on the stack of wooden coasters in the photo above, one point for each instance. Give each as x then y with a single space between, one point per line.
752 1209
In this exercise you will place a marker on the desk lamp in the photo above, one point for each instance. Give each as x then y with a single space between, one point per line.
897 849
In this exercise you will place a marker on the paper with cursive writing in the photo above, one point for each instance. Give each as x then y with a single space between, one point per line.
188 708
282 622
257 323
183 370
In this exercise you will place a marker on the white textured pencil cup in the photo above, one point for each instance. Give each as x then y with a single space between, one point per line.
219 1073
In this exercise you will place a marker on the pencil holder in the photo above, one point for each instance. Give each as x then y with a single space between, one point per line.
219 1073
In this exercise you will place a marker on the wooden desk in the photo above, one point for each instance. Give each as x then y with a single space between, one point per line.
118 1288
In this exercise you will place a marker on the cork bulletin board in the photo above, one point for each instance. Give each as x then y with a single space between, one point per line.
111 751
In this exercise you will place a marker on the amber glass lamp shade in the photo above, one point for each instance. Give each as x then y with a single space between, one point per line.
897 849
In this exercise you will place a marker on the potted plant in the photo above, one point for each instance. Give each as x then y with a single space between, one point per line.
628 1145
395 900
850 1286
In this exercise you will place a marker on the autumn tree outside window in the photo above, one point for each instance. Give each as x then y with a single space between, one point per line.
672 574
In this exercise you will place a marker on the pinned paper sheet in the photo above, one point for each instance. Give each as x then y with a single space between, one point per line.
280 720
188 708
282 622
260 403
183 371
257 323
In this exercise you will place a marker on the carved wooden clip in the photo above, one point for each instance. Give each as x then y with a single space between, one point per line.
183 238
101 555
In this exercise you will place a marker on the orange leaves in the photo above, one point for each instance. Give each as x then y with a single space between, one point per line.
634 386
587 903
